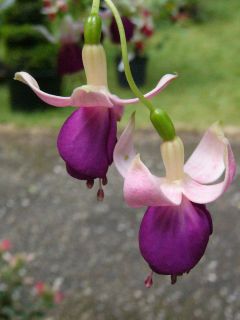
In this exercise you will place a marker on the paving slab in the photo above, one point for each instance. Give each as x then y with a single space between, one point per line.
93 246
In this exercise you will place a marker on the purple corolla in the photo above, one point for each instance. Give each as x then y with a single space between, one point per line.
87 138
70 53
176 227
129 28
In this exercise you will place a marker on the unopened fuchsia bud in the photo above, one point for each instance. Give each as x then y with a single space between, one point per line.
163 124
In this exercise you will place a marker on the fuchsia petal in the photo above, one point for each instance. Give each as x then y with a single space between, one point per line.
165 80
118 111
129 28
69 58
112 135
86 142
141 188
206 164
199 193
48 98
173 239
124 152
88 96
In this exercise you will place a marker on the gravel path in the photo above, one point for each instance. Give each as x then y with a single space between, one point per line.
94 247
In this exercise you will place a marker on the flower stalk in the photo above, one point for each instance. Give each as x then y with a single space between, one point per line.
95 7
160 120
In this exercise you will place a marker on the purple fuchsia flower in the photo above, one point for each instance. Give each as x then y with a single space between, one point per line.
51 8
129 28
176 227
70 53
69 58
87 138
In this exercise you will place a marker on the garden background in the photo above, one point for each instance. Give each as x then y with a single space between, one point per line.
92 248
204 55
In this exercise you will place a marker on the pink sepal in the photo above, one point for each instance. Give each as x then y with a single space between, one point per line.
141 188
53 100
165 80
200 193
88 96
124 152
206 164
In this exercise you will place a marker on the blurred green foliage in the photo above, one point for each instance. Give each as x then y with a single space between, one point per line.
206 58
22 12
25 47
23 37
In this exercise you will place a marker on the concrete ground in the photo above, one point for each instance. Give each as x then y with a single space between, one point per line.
93 246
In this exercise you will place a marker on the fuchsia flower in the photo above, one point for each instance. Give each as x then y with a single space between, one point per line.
70 53
5 245
69 59
129 28
87 139
176 226
52 7
69 37
40 288
58 297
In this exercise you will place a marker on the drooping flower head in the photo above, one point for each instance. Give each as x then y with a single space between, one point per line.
52 7
87 138
69 36
70 53
129 28
176 226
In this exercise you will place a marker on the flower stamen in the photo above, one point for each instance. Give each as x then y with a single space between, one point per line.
100 193
90 184
149 280
104 181
173 279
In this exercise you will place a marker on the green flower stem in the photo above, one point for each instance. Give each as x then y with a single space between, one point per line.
159 118
95 7
127 68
